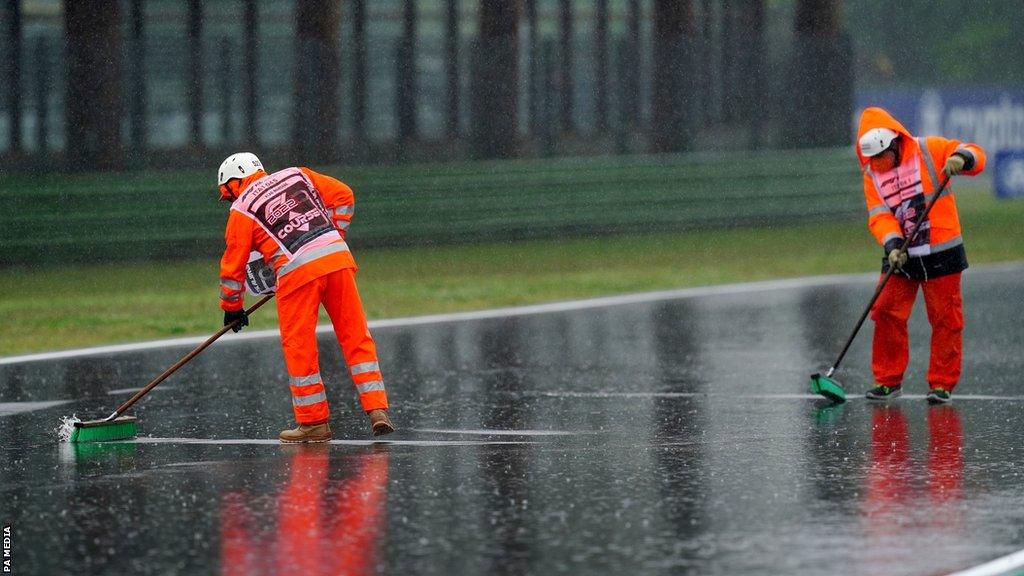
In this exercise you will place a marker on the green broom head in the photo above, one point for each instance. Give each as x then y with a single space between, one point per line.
828 388
120 428
92 451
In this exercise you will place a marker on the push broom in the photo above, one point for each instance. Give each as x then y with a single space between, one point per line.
828 386
117 427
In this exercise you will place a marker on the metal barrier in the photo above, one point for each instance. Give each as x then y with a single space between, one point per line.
111 217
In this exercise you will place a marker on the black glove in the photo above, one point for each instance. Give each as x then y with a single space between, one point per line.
893 256
240 315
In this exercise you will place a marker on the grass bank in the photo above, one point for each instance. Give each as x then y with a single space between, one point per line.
55 308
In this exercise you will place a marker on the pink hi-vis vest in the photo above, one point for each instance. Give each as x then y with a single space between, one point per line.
289 209
902 191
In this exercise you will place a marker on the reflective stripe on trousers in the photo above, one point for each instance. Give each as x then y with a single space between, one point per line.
309 399
297 314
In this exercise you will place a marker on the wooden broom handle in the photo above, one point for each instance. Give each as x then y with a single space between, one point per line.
120 409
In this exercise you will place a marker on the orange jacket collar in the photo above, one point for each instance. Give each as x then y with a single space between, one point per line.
248 180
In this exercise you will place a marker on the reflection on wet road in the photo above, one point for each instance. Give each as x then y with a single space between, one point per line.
310 508
659 437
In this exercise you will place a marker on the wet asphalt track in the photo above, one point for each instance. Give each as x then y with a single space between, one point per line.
667 437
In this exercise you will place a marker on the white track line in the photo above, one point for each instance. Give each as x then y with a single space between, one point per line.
134 390
568 394
483 432
998 566
566 306
9 408
267 441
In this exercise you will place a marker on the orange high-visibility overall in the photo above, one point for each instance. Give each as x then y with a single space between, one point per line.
936 258
297 219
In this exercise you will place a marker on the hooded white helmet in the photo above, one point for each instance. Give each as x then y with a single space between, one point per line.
238 165
876 141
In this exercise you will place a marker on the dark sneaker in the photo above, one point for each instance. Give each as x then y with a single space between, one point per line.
884 393
302 433
380 424
938 396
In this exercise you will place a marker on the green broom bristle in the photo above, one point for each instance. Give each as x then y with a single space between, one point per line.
121 428
828 388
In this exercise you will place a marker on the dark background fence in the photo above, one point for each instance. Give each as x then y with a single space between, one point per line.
142 215
124 84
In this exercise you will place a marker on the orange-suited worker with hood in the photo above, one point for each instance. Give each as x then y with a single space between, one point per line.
295 220
900 178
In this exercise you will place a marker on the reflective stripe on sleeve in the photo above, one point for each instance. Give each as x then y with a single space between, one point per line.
230 284
948 244
880 209
304 380
364 367
230 298
342 224
374 386
891 236
307 400
929 164
343 210
312 255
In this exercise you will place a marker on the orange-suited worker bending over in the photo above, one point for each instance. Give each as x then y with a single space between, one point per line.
296 219
900 178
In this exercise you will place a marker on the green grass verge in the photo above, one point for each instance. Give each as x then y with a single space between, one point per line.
55 308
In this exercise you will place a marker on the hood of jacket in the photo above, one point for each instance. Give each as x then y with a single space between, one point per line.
875 117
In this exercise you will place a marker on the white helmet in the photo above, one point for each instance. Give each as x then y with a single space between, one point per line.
876 141
238 165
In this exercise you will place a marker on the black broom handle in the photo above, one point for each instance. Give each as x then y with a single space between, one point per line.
120 409
881 285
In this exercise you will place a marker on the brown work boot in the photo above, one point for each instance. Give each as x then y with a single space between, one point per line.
380 423
302 433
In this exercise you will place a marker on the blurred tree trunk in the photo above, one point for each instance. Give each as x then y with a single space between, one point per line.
226 91
451 62
533 75
495 91
406 75
92 29
14 74
250 30
752 92
43 86
671 129
730 46
705 65
137 82
820 96
315 130
565 59
359 131
601 54
194 83
633 92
